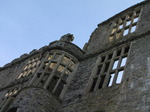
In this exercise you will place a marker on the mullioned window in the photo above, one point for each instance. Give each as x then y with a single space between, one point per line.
125 25
109 69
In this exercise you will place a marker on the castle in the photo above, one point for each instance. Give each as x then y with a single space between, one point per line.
110 74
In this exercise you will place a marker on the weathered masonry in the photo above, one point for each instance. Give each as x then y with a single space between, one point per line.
110 74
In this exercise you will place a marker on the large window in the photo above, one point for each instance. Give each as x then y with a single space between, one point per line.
124 25
30 67
55 72
109 69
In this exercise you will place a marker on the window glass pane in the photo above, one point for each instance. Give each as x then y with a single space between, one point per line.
56 57
50 57
111 79
65 60
25 67
121 26
118 35
60 68
133 29
126 32
52 65
115 64
119 78
33 65
128 23
114 30
136 20
72 65
123 62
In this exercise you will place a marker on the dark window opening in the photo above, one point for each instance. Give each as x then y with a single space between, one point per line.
118 52
101 81
126 49
93 84
110 56
59 88
106 66
14 109
52 84
103 59
99 69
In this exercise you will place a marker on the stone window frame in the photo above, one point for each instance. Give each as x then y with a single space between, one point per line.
30 67
101 78
47 76
125 24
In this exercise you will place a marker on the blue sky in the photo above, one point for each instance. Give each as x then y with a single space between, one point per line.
30 24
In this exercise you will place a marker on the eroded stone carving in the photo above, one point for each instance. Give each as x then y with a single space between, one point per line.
68 37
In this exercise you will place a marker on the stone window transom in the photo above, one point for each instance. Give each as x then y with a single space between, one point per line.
124 25
109 69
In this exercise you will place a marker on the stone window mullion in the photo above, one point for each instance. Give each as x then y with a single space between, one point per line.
45 69
35 75
3 102
53 72
101 73
60 78
8 101
98 74
132 19
68 82
107 78
118 66
94 72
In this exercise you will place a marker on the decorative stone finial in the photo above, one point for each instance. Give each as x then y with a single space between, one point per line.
68 37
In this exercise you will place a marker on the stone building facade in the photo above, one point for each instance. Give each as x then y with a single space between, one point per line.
110 74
